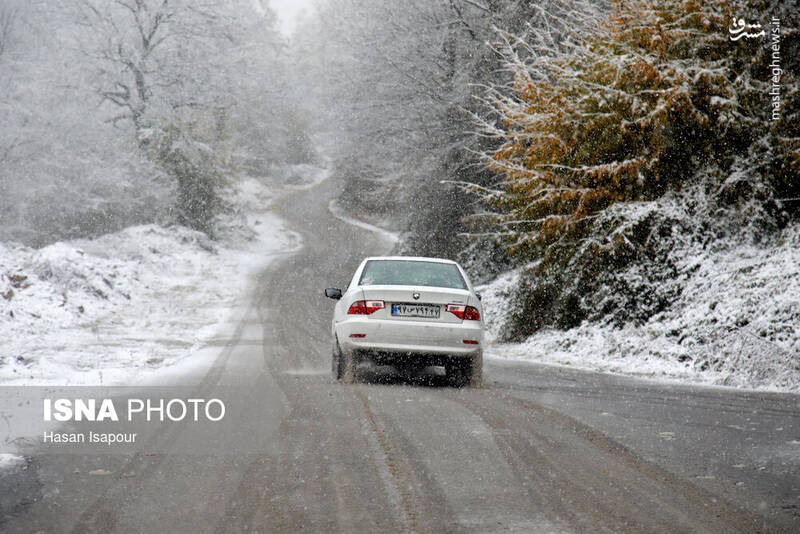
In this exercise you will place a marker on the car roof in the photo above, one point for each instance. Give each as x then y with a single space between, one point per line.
409 258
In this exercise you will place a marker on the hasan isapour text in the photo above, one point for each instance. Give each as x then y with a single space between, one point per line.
108 438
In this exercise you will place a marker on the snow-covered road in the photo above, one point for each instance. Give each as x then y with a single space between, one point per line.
538 449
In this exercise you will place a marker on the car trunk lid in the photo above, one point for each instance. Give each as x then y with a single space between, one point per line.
413 303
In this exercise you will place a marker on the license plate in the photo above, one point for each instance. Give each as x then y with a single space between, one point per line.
415 310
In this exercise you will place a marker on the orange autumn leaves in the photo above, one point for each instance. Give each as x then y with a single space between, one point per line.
619 121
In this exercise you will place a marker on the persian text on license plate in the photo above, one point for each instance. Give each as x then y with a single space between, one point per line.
415 310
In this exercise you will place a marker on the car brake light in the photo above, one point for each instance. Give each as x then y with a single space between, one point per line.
472 314
357 308
466 313
365 307
470 342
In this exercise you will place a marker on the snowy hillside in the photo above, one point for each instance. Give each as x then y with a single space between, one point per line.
108 310
736 322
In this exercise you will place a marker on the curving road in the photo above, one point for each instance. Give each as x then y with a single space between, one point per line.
537 449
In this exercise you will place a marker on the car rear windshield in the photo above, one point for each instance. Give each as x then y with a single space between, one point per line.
411 273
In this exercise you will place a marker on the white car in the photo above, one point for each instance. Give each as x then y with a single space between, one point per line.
408 312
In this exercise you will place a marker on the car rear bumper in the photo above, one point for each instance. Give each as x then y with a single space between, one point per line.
407 338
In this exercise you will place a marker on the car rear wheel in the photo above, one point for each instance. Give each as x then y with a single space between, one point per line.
476 370
466 371
336 360
347 367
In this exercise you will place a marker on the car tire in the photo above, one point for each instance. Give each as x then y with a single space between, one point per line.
337 366
466 371
475 376
456 372
348 368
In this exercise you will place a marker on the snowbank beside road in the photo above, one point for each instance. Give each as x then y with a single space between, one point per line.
339 213
737 323
108 310
10 461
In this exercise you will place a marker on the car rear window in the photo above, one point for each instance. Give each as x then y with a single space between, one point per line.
411 273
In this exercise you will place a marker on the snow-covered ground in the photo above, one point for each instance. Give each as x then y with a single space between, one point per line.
736 323
11 461
122 307
339 213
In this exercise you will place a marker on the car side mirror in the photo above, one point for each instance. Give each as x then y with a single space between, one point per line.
333 293
478 295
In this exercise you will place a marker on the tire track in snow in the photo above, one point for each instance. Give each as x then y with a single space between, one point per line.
398 491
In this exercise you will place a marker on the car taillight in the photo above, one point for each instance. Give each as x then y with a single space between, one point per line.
466 313
472 314
365 307
359 307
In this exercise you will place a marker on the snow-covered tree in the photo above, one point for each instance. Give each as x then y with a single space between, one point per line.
654 98
170 68
392 84
76 164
